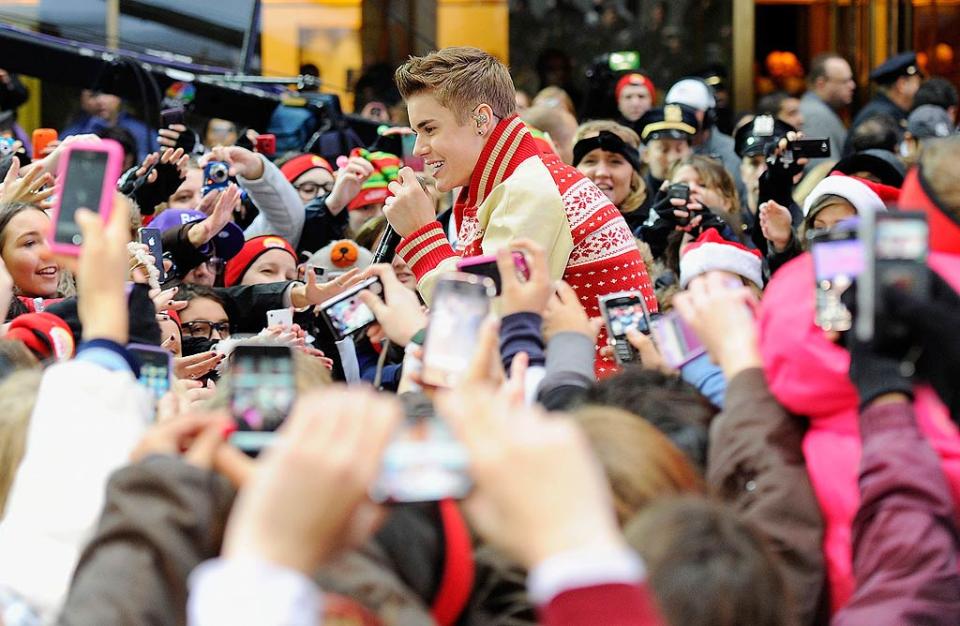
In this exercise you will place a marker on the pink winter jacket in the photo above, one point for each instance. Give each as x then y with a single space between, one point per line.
808 374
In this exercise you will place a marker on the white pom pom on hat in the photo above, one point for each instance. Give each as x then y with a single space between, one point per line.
711 252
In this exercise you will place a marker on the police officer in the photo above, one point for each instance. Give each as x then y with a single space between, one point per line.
897 79
754 141
667 134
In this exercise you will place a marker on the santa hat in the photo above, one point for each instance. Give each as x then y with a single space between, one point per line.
298 166
45 334
386 168
711 252
251 251
867 197
634 78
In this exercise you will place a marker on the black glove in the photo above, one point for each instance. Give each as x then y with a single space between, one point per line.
875 369
875 374
934 329
149 195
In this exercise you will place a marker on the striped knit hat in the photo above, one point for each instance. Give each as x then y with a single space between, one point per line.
386 168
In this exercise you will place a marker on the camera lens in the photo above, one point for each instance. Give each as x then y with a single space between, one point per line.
219 172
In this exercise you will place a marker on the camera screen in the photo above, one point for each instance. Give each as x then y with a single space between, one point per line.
349 315
901 239
263 387
83 189
624 314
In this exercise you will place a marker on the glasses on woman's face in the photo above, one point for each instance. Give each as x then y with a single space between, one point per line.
313 190
205 328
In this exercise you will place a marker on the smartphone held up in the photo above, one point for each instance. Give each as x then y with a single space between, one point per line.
87 178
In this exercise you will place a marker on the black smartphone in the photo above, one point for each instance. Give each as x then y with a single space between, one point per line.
622 311
156 369
896 245
810 148
837 262
169 117
152 238
678 191
346 314
262 387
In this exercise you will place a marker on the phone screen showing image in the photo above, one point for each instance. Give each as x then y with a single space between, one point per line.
459 308
83 188
348 314
262 391
626 313
837 262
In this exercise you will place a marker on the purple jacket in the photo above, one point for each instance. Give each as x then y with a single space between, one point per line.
905 542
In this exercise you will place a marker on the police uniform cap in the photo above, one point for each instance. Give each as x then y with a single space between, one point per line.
903 64
753 137
671 121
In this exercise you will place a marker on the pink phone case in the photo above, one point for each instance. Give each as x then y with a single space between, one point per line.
111 174
518 259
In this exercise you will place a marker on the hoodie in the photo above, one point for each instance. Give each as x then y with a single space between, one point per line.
808 374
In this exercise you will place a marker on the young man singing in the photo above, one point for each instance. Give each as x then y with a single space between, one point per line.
461 104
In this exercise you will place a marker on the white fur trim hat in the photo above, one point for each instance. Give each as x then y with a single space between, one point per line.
855 191
711 252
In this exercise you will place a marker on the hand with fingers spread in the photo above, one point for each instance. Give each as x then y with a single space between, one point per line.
565 314
310 489
399 313
353 172
196 437
30 189
524 296
169 171
313 293
539 490
721 313
202 232
410 208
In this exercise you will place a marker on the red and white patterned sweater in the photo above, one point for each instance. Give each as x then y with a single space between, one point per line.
515 191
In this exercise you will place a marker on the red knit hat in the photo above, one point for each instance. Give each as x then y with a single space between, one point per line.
711 252
634 78
238 265
45 334
297 166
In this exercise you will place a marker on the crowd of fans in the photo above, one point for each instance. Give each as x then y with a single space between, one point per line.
761 469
